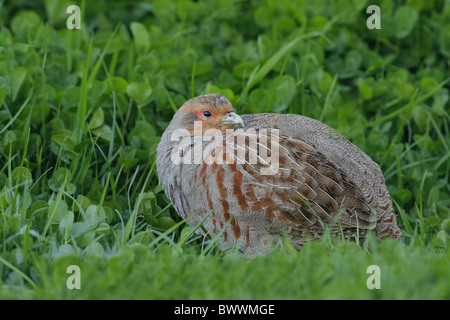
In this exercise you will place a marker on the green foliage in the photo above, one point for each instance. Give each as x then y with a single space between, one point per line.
82 111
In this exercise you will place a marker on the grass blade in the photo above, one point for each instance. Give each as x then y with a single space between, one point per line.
259 73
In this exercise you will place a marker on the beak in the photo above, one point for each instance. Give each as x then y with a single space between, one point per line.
233 118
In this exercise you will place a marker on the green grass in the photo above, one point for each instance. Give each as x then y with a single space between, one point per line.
82 111
318 272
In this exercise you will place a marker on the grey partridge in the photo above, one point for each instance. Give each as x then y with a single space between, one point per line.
259 177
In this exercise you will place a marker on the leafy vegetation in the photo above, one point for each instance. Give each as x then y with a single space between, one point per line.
82 111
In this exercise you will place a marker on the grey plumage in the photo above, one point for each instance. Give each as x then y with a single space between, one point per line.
323 180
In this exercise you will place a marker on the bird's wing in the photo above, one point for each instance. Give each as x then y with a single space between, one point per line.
357 166
292 181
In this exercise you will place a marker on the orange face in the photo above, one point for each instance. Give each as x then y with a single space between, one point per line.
207 112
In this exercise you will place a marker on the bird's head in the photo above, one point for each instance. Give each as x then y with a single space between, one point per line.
211 111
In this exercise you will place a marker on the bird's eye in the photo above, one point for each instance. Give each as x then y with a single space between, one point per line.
207 114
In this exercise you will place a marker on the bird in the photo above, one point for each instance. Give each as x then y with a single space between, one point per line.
253 180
